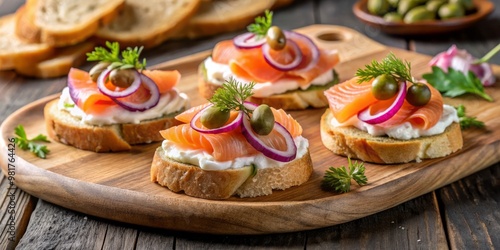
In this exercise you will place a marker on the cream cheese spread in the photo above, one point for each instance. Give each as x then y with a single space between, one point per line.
404 131
206 161
169 103
218 73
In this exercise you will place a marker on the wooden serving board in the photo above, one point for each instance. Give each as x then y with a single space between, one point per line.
117 186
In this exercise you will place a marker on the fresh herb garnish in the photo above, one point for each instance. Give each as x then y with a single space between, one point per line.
391 65
339 179
455 83
129 57
69 105
232 95
262 24
24 143
467 121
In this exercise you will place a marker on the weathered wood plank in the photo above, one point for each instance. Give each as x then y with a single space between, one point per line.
153 239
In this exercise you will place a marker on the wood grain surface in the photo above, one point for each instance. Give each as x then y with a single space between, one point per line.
116 186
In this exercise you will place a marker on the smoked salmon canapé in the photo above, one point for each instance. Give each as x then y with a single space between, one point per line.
289 70
385 116
232 147
117 104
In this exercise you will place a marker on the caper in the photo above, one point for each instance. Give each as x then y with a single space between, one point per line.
378 7
418 14
276 38
384 87
96 71
418 94
213 117
122 78
393 17
451 10
262 120
434 5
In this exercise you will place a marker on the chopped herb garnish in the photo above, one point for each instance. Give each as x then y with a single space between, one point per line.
391 65
232 95
24 143
262 24
467 122
339 179
69 105
129 57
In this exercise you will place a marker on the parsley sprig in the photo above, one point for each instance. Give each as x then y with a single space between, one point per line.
232 95
467 122
262 24
129 57
455 83
24 143
339 179
391 65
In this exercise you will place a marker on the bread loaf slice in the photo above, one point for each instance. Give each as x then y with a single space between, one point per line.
354 143
13 49
25 22
220 16
68 22
222 184
65 128
281 3
148 23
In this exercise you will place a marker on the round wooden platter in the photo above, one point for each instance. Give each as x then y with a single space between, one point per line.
117 186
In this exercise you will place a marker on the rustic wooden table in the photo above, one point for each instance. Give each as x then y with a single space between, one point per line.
462 215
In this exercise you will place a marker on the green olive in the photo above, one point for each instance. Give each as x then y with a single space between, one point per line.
451 10
434 5
262 120
122 78
418 14
384 87
467 4
393 17
393 3
213 117
418 94
378 7
96 71
406 5
276 38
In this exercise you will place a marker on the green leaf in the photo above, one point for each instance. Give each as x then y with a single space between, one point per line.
467 122
129 57
24 143
455 83
261 24
339 179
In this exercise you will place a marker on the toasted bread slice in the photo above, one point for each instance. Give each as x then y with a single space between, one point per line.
222 184
14 49
216 17
354 143
26 28
65 128
68 22
281 3
148 23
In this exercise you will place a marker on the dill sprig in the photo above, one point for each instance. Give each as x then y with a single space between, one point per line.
467 122
129 57
339 179
391 65
232 95
261 24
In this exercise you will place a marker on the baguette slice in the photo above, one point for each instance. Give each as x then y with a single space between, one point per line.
13 49
216 17
57 65
26 28
281 3
148 23
354 143
222 184
68 22
65 128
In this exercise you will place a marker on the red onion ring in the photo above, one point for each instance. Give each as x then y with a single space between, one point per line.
248 41
150 103
226 128
385 115
266 49
101 85
315 54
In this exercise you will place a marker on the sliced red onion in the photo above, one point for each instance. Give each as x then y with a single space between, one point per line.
248 41
150 103
101 85
258 144
484 72
226 128
385 115
266 50
310 44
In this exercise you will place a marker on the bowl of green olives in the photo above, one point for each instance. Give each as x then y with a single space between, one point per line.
421 17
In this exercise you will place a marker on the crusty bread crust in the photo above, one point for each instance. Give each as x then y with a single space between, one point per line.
65 128
222 184
354 143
